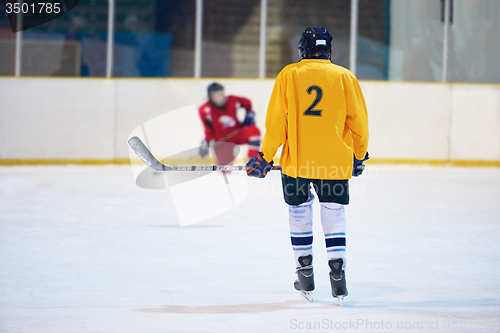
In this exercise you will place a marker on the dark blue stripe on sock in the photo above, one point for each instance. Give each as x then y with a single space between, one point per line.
302 240
330 242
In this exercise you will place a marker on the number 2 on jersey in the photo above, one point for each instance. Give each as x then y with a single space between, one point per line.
319 95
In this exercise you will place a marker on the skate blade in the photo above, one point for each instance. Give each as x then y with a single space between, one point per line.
307 295
341 299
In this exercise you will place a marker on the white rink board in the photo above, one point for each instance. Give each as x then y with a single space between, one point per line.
46 118
84 250
54 118
475 122
408 121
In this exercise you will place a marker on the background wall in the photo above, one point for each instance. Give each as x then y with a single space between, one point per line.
79 119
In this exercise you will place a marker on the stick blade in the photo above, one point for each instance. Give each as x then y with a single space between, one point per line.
143 152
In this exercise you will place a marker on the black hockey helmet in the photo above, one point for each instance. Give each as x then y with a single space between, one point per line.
213 88
315 40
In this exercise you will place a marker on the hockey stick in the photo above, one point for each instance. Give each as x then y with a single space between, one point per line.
143 152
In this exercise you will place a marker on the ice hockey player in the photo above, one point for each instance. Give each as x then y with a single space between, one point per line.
318 114
219 118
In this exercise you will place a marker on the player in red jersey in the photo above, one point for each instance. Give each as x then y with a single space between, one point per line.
221 124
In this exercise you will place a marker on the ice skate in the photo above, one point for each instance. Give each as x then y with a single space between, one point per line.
305 278
337 279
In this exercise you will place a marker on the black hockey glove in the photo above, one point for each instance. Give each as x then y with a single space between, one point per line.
258 167
204 146
249 119
359 166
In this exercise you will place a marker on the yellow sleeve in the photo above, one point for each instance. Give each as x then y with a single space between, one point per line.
276 124
357 116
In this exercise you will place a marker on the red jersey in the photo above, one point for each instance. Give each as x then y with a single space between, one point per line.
222 123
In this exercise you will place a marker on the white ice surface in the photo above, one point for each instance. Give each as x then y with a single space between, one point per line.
82 249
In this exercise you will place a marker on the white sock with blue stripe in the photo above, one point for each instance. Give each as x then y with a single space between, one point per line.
334 225
301 229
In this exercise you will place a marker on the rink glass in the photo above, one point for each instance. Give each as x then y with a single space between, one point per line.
231 31
7 44
71 45
396 40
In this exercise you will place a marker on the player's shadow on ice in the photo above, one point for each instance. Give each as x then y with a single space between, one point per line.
188 226
301 305
238 308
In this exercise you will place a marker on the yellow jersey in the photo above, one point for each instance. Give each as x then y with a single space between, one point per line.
318 114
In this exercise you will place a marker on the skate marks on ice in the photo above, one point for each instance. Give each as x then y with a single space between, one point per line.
428 304
239 308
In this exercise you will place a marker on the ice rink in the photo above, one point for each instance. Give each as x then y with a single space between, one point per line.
83 249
